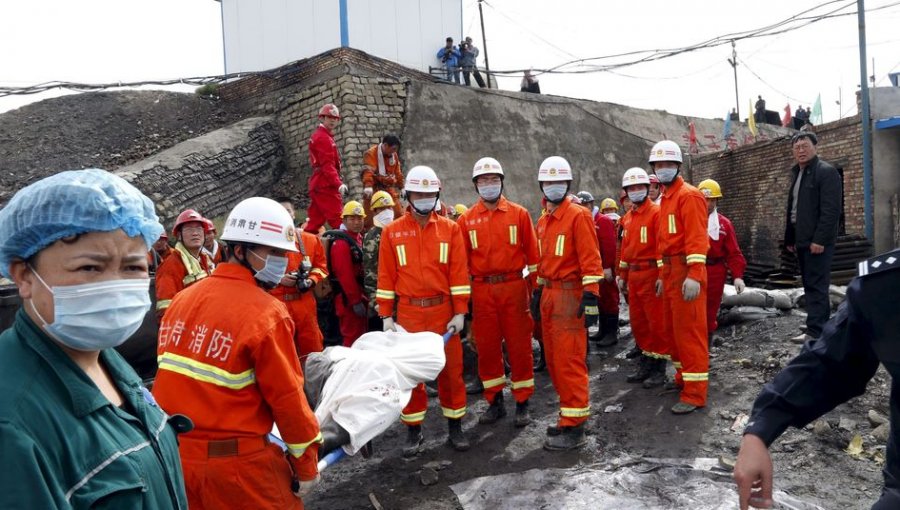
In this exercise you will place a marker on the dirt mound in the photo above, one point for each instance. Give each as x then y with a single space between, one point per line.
99 129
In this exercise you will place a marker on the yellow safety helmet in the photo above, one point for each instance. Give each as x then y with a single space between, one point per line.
459 209
608 203
353 208
380 199
710 189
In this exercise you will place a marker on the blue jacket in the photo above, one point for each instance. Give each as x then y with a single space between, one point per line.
452 56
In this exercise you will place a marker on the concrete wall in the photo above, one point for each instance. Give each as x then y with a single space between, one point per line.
213 172
885 166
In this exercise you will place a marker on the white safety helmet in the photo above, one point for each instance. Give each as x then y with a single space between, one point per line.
262 221
666 150
635 175
422 179
487 166
555 169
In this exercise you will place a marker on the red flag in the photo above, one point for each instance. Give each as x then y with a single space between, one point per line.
786 121
692 137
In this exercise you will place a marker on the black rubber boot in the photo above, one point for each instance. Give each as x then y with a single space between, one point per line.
474 387
455 435
523 417
634 352
657 374
610 330
414 440
541 363
494 412
644 370
569 438
553 430
431 389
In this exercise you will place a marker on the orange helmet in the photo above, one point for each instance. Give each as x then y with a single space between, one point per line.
330 110
188 216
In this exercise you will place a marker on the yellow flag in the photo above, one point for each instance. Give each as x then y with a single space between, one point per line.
751 121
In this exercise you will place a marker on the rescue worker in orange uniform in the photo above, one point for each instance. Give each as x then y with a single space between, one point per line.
566 299
422 271
724 255
306 268
326 190
638 273
351 305
382 172
227 360
500 242
212 247
187 264
158 252
609 292
682 243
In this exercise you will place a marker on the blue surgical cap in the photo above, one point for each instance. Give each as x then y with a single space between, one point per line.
72 203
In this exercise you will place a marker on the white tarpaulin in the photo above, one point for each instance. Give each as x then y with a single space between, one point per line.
641 484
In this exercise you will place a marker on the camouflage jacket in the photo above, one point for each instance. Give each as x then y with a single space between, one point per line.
371 241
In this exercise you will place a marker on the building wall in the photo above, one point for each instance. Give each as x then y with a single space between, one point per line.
755 182
885 167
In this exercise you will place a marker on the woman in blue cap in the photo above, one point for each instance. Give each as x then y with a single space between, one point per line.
77 429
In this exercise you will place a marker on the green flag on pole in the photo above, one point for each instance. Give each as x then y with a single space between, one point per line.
816 116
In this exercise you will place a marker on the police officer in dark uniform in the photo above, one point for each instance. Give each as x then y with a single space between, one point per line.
829 371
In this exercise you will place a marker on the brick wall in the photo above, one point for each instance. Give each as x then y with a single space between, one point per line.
755 181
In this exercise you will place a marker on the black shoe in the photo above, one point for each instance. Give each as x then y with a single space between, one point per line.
569 438
494 412
610 331
523 417
541 363
414 440
554 430
455 435
657 375
644 370
634 352
475 387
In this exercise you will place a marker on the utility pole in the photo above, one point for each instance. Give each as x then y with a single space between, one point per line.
734 64
487 65
868 212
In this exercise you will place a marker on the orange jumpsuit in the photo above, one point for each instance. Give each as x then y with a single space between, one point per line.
302 305
682 243
391 181
178 271
500 244
325 201
227 360
724 256
424 271
570 264
638 269
155 259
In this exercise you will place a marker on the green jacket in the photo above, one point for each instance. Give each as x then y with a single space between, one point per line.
371 241
64 445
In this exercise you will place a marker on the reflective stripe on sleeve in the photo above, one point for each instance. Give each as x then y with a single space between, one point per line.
695 258
532 268
162 304
589 279
623 264
460 290
385 294
297 449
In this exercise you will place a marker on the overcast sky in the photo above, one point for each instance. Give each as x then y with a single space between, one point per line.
128 40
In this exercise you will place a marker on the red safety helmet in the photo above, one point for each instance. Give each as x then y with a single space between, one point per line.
188 216
211 227
654 179
330 110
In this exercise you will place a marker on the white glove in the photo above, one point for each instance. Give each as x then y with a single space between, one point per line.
367 192
659 288
388 325
343 189
690 289
456 323
306 487
739 285
607 274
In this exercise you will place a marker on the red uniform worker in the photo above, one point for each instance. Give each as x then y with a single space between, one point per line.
325 186
350 302
724 255
382 171
297 294
569 273
187 264
212 246
422 268
682 244
227 360
638 273
500 242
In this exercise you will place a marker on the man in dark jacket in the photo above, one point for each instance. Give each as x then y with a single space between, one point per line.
811 226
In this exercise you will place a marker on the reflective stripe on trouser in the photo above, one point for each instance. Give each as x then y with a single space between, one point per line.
500 315
609 297
565 349
352 326
257 479
451 387
307 335
647 324
687 323
325 204
715 287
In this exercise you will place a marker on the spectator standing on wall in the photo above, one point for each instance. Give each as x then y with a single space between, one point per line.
530 83
449 56
760 114
469 63
734 115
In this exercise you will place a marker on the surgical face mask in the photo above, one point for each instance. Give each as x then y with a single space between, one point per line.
383 218
556 192
637 196
666 175
424 206
96 316
490 192
273 271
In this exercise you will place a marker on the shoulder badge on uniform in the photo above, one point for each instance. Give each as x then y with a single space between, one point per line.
879 263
